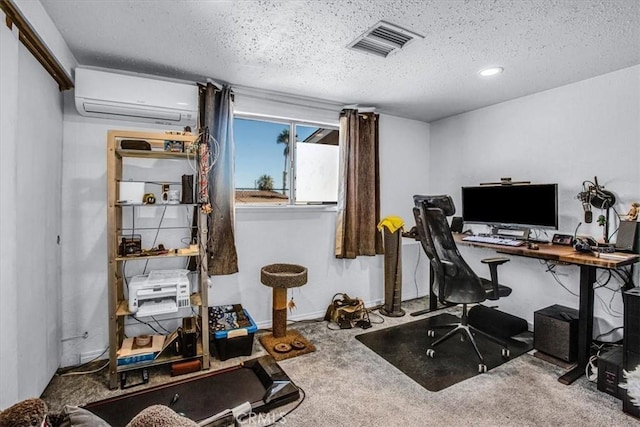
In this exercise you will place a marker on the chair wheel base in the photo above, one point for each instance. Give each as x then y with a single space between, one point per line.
431 353
482 368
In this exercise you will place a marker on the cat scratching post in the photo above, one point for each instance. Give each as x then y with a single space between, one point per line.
282 344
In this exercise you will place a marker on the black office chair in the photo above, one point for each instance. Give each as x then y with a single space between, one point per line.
454 281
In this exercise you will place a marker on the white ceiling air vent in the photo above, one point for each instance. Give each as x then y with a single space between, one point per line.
383 39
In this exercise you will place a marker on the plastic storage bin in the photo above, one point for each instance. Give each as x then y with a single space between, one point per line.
228 343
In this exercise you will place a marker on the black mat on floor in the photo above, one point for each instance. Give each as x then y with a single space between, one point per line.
405 346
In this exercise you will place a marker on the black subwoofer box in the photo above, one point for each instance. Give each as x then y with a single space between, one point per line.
555 332
631 343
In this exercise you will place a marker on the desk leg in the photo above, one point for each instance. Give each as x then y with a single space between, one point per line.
433 299
585 324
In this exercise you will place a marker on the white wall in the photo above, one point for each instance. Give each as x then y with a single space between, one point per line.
30 209
84 222
303 235
8 194
565 135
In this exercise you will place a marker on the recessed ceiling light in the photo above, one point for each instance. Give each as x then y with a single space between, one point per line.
492 71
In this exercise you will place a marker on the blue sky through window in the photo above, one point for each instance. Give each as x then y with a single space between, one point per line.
257 153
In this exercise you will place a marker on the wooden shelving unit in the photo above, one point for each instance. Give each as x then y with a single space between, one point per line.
118 305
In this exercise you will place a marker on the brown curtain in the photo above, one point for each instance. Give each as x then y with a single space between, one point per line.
218 119
359 197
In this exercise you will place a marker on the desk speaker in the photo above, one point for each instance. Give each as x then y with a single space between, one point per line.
555 332
627 239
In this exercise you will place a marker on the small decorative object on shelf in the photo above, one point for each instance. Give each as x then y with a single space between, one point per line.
130 245
149 198
632 215
171 197
174 146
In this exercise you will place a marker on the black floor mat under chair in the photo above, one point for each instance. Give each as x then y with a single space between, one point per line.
405 346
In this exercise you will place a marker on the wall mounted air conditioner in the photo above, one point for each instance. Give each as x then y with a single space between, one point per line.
125 97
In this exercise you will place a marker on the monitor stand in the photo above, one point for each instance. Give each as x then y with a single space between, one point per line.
511 233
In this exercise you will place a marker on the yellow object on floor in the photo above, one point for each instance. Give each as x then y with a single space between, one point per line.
393 223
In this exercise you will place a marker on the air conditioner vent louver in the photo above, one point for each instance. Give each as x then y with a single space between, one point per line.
372 47
383 39
391 36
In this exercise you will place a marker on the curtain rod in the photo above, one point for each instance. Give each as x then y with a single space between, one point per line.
35 45
286 98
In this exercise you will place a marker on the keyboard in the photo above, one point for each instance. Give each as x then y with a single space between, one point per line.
494 240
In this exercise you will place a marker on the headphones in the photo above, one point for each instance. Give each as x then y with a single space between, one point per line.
581 244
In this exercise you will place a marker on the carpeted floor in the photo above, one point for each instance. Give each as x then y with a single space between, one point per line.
346 383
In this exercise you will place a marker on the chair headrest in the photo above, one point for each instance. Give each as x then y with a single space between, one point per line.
444 202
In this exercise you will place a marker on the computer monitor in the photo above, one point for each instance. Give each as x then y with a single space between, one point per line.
518 206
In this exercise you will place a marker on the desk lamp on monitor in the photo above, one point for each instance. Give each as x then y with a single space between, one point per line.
512 209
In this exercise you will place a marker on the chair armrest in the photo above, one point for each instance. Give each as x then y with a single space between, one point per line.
496 260
493 269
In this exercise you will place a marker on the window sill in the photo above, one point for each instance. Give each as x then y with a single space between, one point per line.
285 208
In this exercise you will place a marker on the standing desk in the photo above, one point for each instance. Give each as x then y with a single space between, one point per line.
588 263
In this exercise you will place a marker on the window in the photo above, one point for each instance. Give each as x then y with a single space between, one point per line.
270 170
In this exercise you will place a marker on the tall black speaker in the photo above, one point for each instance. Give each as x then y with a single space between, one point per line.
187 189
631 343
457 223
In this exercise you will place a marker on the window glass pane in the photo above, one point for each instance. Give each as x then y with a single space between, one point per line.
261 161
316 165
263 173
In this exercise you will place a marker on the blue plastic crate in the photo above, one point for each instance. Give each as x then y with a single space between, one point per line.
233 342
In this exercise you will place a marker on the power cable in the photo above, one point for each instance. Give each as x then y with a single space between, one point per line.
551 269
66 374
282 417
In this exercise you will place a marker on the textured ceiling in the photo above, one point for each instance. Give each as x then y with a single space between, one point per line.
299 47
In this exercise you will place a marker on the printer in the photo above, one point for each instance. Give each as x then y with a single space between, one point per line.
162 291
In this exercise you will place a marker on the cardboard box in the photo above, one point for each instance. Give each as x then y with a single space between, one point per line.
130 353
